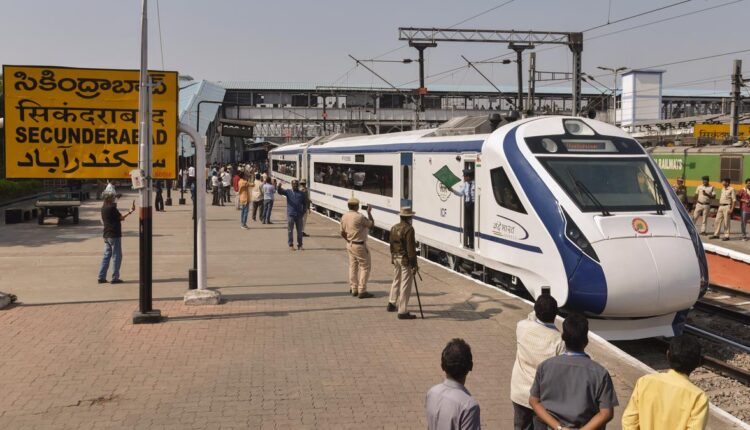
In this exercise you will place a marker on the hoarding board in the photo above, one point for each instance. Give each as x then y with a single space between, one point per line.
720 131
74 123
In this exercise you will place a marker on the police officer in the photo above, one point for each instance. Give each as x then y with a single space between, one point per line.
354 229
404 259
681 190
727 202
468 192
703 195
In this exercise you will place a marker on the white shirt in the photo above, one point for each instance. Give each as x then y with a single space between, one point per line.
535 342
226 179
214 181
191 171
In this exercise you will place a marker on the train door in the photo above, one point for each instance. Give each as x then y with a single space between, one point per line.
407 175
469 201
299 174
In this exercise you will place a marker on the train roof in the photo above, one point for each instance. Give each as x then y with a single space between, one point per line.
708 149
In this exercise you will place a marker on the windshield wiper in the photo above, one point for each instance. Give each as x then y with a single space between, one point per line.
580 185
658 190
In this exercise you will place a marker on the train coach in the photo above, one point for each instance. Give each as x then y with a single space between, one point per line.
569 204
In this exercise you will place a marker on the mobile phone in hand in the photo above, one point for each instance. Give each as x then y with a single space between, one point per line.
364 207
132 207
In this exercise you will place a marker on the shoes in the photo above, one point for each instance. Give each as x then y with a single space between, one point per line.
305 234
703 233
724 238
713 236
269 222
365 295
102 281
299 248
354 294
291 248
391 307
116 281
245 227
407 316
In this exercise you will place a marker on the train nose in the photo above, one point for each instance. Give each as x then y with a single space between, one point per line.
649 273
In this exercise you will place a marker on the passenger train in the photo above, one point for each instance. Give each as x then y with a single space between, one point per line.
565 203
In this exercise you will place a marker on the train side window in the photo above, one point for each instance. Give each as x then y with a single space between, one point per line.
406 182
285 167
503 190
368 178
731 166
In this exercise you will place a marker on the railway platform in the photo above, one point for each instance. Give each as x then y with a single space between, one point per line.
290 348
728 260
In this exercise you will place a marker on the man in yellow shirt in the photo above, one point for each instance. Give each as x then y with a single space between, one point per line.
669 400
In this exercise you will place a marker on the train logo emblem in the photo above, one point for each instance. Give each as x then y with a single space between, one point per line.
640 226
442 191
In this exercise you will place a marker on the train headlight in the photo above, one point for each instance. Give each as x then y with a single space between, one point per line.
549 144
577 127
575 235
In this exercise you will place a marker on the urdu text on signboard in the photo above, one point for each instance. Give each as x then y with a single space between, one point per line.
83 123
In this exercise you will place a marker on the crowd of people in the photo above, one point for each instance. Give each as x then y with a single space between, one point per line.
554 383
728 199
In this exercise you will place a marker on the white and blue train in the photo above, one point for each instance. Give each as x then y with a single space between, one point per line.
565 203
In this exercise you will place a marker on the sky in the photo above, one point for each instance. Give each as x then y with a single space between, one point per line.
309 41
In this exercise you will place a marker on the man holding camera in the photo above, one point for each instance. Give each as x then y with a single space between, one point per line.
354 229
404 259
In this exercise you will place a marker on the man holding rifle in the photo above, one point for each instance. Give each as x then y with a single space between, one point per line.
404 259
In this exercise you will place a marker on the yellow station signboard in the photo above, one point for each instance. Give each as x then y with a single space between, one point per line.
83 123
720 131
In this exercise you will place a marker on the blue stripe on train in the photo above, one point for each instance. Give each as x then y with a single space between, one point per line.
587 286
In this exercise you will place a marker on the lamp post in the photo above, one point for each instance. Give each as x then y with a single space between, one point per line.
615 71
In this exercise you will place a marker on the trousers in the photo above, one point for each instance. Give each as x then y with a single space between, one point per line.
743 226
403 279
267 208
525 419
701 210
359 266
112 251
469 224
722 219
244 208
293 222
257 207
159 202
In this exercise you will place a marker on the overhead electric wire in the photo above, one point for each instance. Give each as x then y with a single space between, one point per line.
638 15
597 36
454 25
161 43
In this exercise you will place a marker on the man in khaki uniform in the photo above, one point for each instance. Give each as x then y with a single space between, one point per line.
703 195
681 190
404 259
354 229
724 214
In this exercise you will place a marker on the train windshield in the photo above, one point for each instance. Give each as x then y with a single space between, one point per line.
608 184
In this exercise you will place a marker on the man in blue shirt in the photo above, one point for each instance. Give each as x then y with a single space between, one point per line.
468 192
296 204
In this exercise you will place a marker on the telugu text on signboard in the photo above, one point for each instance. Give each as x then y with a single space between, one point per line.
83 123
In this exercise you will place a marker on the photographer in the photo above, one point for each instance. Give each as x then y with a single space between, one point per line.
112 220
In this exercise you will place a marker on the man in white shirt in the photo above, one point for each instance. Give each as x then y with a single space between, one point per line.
226 185
537 339
449 406
703 195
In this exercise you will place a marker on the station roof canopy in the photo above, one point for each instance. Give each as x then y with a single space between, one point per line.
559 89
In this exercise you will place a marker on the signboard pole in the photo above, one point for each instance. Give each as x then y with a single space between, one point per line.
145 313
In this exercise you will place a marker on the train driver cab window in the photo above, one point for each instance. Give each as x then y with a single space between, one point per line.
503 190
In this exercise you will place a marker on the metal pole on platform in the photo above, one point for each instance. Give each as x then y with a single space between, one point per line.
145 313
